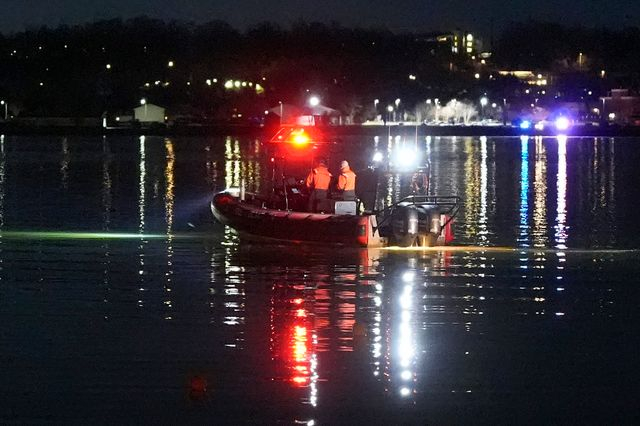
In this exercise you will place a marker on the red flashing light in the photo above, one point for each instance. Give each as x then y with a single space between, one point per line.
300 138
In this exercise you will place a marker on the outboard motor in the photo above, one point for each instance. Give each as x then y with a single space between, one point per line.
429 227
404 225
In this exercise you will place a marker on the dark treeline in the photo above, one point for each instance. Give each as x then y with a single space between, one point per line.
64 72
543 45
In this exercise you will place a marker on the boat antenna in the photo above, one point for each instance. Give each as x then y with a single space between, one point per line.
284 184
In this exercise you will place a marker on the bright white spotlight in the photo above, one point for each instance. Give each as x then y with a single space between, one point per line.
408 276
377 157
407 158
314 101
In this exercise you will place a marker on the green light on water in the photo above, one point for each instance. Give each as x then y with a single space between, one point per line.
65 235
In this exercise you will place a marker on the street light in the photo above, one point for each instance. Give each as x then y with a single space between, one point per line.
5 108
483 102
314 101
143 101
397 109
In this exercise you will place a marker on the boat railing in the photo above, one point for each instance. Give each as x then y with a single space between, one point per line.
450 203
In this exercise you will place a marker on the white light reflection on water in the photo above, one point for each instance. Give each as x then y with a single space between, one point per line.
376 347
142 175
482 220
233 290
234 296
405 346
561 228
523 237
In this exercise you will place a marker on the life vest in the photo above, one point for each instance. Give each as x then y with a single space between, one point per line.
319 178
347 180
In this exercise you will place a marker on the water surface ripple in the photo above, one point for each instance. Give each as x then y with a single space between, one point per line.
122 302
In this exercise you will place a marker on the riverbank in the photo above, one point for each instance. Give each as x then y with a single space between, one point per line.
350 130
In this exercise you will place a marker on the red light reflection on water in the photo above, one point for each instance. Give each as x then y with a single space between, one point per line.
293 337
300 357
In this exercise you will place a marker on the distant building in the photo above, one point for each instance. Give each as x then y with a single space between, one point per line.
621 107
149 113
460 42
452 43
525 76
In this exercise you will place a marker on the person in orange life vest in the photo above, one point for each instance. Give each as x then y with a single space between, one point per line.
318 183
347 182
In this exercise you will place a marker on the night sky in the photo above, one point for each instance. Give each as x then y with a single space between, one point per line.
397 15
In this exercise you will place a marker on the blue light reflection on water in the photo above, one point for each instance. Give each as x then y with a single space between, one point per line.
440 329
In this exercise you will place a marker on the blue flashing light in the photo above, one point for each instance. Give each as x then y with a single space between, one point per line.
525 124
562 123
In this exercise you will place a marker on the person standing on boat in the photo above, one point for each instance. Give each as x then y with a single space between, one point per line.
347 182
318 183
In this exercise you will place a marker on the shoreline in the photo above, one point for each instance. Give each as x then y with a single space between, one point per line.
347 130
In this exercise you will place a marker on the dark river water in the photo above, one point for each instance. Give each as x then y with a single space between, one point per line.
123 302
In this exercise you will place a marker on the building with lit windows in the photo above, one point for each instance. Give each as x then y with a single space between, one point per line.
460 42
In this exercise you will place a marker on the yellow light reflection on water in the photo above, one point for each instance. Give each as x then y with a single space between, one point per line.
540 195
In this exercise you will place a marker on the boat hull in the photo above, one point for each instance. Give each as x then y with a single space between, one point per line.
280 226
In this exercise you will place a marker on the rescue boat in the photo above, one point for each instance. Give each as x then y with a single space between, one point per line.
277 217
416 220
